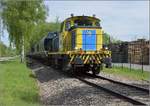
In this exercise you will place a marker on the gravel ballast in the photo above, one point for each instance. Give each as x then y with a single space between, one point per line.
125 79
122 89
59 89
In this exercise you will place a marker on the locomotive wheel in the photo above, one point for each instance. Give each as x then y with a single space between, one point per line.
77 70
96 70
86 68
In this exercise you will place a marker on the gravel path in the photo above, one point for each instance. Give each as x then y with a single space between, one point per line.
58 89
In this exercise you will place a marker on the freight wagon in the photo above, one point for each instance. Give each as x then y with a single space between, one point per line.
77 47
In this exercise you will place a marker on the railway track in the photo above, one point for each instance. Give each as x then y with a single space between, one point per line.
130 93
121 83
89 79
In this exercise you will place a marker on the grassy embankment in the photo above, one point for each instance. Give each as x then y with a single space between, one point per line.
132 74
17 88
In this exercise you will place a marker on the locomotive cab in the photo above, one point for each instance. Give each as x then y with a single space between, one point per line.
81 33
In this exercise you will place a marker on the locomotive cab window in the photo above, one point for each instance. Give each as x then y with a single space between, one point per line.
67 25
85 22
97 24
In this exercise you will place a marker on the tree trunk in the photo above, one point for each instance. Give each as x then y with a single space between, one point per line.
22 51
0 33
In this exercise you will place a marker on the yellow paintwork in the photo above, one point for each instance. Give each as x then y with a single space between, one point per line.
66 42
85 56
98 36
66 35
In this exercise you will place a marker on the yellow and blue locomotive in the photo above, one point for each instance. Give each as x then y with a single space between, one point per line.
77 47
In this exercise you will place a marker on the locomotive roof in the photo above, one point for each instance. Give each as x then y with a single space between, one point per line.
80 17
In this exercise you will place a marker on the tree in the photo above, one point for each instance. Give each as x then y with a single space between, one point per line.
2 49
6 51
106 38
20 18
41 30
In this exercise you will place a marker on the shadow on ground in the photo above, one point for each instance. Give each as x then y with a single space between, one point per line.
44 73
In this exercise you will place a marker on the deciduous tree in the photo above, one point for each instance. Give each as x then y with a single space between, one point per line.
20 19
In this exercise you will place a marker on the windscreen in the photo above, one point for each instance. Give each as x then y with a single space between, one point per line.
83 22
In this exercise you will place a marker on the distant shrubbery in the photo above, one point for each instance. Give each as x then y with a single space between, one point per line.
40 31
107 39
6 51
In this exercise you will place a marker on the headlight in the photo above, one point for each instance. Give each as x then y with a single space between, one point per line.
106 48
76 48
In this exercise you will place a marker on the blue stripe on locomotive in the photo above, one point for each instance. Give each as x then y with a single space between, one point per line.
89 40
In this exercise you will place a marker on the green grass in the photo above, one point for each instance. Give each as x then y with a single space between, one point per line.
17 88
132 74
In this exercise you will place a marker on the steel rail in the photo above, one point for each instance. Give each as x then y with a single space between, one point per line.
133 101
121 83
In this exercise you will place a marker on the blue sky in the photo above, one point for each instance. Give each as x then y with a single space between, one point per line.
124 20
